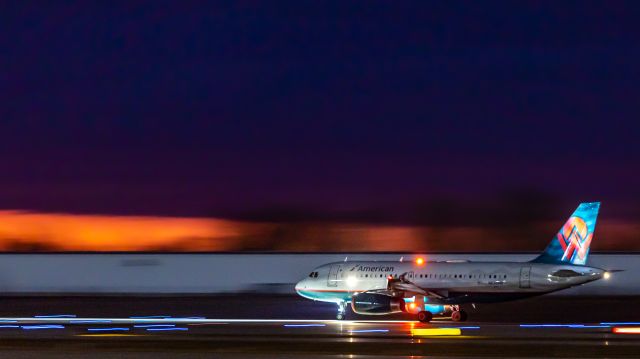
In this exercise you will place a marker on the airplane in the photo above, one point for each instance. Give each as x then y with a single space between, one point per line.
424 288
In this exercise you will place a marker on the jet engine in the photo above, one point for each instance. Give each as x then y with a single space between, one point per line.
376 304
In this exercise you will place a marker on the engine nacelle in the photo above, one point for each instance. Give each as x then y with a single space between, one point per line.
376 304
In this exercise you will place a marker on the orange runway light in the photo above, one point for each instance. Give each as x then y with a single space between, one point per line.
419 261
626 330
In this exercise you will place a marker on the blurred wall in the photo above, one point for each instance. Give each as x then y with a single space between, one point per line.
40 274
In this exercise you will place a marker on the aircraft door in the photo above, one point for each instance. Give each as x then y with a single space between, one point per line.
332 281
525 277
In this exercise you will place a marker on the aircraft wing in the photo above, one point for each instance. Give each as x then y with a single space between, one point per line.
402 284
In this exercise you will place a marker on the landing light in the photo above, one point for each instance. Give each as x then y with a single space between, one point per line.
606 275
352 281
419 261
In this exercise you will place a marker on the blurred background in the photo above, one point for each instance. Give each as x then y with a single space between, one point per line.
168 126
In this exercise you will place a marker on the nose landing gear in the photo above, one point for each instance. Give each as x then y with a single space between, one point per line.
342 311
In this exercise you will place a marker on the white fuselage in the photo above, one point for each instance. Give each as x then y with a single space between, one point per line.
456 282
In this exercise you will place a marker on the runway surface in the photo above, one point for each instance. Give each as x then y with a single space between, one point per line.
120 327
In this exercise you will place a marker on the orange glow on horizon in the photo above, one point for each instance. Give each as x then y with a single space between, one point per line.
26 231
72 232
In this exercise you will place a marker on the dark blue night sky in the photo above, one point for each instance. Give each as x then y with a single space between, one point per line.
216 108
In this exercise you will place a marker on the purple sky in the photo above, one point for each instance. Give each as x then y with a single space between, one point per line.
202 108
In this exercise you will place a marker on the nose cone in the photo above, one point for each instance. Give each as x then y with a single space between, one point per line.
302 285
303 289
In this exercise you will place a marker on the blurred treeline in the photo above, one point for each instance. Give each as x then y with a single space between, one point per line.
515 221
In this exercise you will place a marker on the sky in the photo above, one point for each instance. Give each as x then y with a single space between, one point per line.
238 109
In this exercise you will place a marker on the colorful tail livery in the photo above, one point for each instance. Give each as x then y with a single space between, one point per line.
571 244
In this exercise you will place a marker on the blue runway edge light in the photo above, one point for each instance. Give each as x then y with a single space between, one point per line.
602 325
32 327
108 329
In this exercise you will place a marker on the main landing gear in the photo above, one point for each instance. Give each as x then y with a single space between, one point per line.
425 316
458 315
342 310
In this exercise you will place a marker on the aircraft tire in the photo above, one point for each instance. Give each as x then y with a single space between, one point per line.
425 316
463 316
459 316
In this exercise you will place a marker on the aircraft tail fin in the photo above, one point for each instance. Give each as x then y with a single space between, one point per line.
571 244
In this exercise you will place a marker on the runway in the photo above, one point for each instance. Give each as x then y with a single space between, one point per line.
157 333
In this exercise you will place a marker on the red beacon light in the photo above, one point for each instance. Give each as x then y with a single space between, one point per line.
419 261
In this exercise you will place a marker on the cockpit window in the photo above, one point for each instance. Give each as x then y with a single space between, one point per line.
565 273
